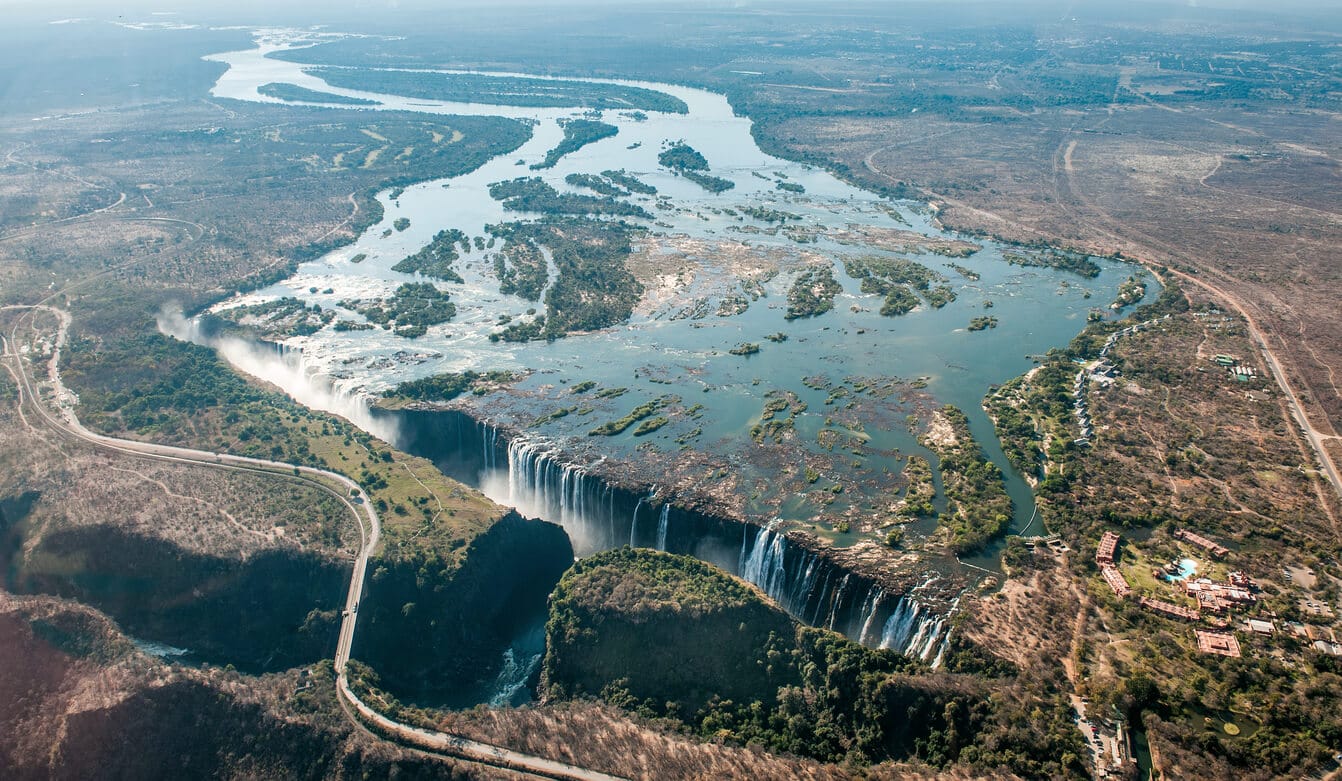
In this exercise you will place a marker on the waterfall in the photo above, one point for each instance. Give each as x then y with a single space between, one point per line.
837 602
763 566
285 368
807 585
913 631
662 523
867 616
633 524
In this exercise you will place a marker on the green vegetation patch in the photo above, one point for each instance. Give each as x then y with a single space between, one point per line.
594 288
281 318
532 194
293 92
686 161
629 182
449 385
645 410
893 278
745 348
578 133
671 636
1063 260
435 260
1130 292
412 308
682 157
764 214
899 300
501 90
812 293
982 323
597 184
977 506
713 184
650 425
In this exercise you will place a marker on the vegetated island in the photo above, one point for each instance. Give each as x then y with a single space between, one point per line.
435 260
977 506
293 92
686 161
410 311
812 293
896 279
533 194
1063 260
578 133
594 288
501 90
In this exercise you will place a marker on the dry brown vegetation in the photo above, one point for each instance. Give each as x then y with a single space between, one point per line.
195 508
1176 436
599 736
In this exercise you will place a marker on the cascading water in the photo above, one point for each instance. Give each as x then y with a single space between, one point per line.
809 587
597 516
633 524
284 368
662 524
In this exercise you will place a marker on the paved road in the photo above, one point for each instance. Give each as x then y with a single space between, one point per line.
66 423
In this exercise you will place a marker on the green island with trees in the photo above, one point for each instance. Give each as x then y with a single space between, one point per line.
894 277
578 133
977 506
280 318
449 385
501 90
1049 257
812 293
435 260
629 182
293 92
597 184
411 309
686 161
533 194
642 411
594 288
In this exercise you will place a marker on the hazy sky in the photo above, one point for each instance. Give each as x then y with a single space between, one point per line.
239 8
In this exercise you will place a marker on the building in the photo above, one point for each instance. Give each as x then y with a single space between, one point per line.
1221 643
1216 550
1170 609
1116 581
1261 627
1216 597
1104 556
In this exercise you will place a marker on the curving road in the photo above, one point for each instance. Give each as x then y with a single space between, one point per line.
67 424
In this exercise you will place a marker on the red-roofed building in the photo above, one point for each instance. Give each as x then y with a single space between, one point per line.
1108 548
1170 609
1219 551
1116 581
1222 643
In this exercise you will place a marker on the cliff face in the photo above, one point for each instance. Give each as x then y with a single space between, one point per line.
268 611
90 706
673 636
431 631
666 628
